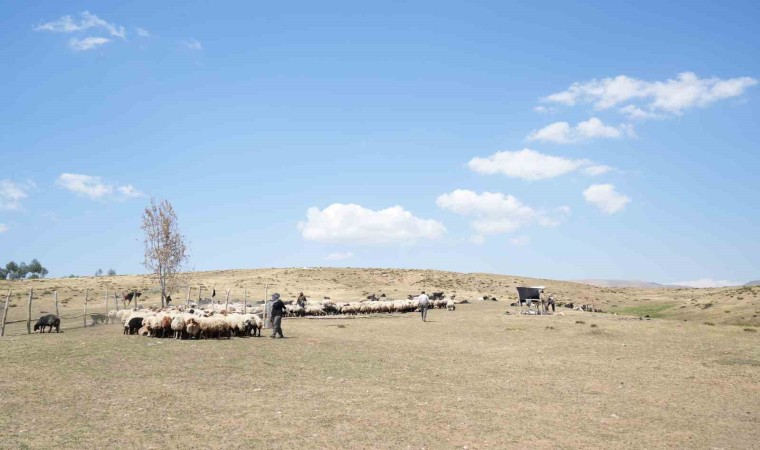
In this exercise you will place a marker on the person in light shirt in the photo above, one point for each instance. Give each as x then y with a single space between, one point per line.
424 302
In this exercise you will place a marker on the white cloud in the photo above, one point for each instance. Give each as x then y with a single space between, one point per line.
598 169
3 228
531 165
193 44
606 198
87 43
520 241
496 213
95 188
633 112
351 223
129 191
707 283
544 109
563 133
142 32
87 20
672 96
11 194
338 256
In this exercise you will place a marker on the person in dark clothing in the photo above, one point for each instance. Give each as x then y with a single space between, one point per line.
301 300
550 304
278 310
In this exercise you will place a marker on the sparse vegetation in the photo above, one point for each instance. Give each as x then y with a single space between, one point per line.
20 271
647 310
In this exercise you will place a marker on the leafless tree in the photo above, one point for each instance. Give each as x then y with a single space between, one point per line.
165 248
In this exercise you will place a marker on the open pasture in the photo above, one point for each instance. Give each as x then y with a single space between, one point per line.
474 378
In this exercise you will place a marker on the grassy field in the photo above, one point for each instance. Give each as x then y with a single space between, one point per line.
474 377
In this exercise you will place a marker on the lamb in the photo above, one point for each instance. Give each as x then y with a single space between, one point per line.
48 320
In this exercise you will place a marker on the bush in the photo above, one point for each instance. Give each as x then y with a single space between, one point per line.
111 272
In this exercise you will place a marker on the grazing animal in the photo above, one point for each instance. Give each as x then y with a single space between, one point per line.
48 320
436 296
128 296
192 328
133 325
98 318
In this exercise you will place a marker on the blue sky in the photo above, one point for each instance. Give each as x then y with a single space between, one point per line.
552 139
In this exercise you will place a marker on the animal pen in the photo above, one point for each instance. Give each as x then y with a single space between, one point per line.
21 309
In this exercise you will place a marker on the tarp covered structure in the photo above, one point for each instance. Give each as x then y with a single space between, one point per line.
529 293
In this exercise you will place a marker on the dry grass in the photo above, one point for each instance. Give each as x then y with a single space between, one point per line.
473 377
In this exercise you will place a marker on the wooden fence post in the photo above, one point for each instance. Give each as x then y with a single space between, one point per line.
267 324
116 301
227 301
5 313
105 299
29 313
187 303
213 297
245 301
55 298
134 299
86 294
200 289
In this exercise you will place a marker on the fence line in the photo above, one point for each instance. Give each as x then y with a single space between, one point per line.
97 316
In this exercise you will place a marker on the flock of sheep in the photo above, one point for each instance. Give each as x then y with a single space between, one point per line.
218 321
196 324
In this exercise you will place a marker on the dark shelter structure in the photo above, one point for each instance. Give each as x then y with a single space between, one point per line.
529 294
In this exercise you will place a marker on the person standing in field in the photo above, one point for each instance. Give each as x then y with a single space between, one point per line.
424 302
278 310
301 301
550 303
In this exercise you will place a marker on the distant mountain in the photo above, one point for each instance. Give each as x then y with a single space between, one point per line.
753 283
627 284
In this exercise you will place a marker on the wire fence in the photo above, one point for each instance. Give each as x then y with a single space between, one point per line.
29 307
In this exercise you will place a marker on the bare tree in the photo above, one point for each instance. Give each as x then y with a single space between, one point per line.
165 249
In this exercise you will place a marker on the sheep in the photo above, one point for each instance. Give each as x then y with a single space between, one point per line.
255 324
132 325
178 326
192 328
48 320
450 305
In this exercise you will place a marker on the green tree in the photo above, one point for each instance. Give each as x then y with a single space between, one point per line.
11 270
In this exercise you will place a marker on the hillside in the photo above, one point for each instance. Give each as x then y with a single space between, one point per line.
730 305
753 283
627 284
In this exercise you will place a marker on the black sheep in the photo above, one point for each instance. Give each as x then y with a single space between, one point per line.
48 320
133 326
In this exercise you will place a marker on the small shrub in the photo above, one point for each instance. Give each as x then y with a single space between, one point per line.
751 330
710 323
593 325
580 322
